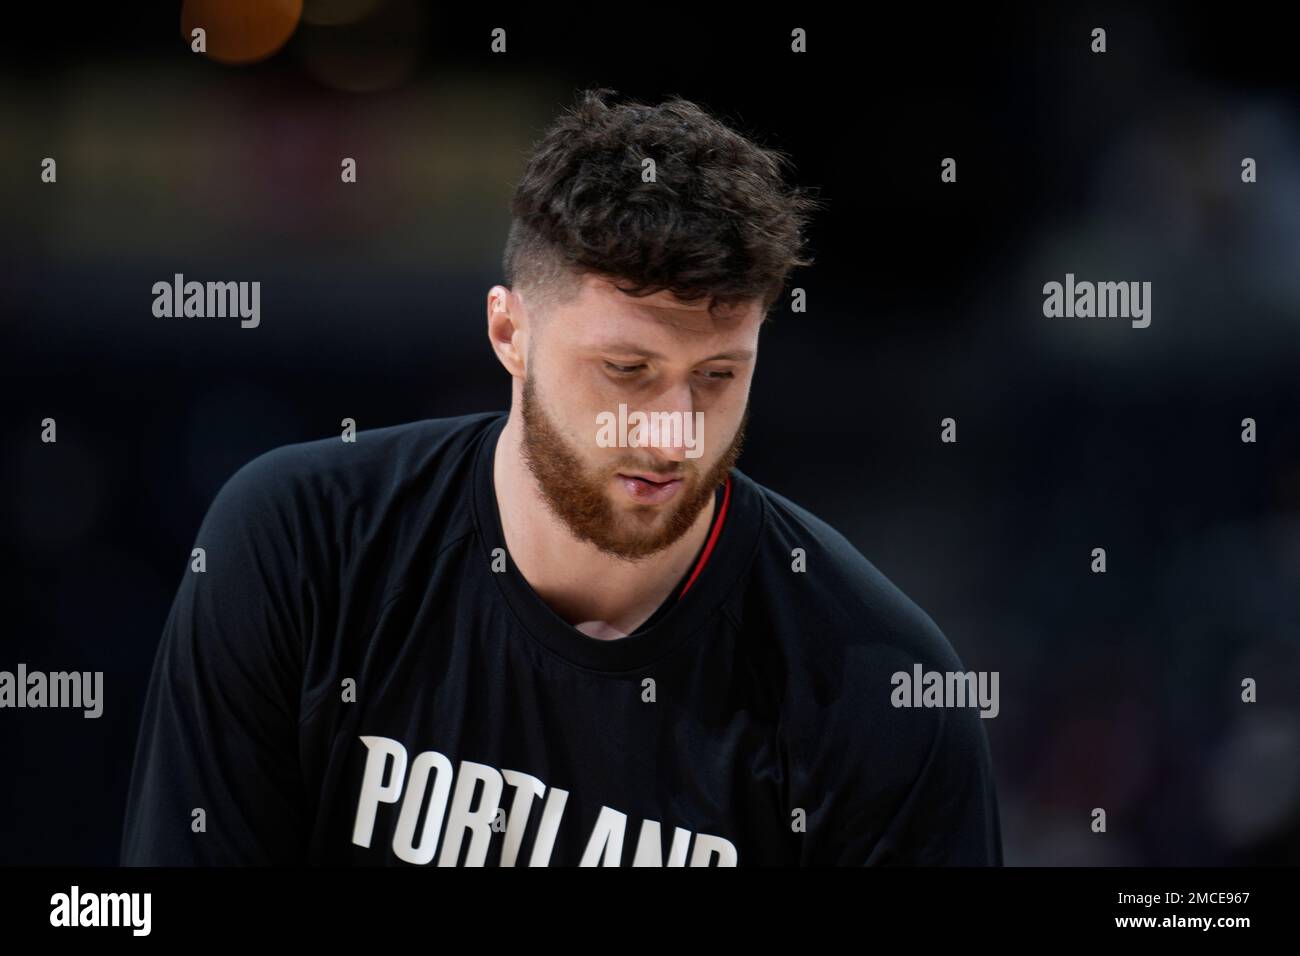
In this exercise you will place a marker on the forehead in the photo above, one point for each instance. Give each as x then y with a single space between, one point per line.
604 313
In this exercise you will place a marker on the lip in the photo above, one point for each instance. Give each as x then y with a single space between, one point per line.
650 476
648 491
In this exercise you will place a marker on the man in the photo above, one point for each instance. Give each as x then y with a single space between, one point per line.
576 634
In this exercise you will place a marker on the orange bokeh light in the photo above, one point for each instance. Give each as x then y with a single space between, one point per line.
241 31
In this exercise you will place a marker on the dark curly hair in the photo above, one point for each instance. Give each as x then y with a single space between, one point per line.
718 222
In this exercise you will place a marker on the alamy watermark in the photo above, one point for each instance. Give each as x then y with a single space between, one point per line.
75 908
1102 300
922 688
639 429
181 299
75 689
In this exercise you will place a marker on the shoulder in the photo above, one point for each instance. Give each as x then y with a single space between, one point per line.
370 455
892 780
835 630
843 615
328 507
372 471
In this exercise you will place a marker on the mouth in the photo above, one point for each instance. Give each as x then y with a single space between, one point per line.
649 489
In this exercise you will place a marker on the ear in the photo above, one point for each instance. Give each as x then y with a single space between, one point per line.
507 329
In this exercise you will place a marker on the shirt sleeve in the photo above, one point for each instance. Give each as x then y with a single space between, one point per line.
219 732
950 815
902 786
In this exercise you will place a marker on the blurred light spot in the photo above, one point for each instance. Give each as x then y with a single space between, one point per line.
377 53
1254 782
1061 837
241 31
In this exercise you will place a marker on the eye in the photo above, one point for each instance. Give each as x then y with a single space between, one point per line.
624 369
718 375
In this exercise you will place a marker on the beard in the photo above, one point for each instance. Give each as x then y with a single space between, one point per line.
580 497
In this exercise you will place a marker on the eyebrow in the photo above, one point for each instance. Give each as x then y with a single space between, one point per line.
735 355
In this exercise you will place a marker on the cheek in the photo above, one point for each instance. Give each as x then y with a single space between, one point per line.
570 403
583 391
724 418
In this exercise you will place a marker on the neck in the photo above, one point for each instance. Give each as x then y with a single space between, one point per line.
561 569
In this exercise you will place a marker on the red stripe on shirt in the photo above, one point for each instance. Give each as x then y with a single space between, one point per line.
713 539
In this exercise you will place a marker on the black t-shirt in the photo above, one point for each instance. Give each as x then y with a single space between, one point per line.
359 675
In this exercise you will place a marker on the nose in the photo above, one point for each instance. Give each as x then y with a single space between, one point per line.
670 453
673 430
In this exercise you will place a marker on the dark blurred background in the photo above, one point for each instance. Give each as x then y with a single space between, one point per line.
1118 690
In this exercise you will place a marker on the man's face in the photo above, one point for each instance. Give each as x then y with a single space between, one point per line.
657 355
